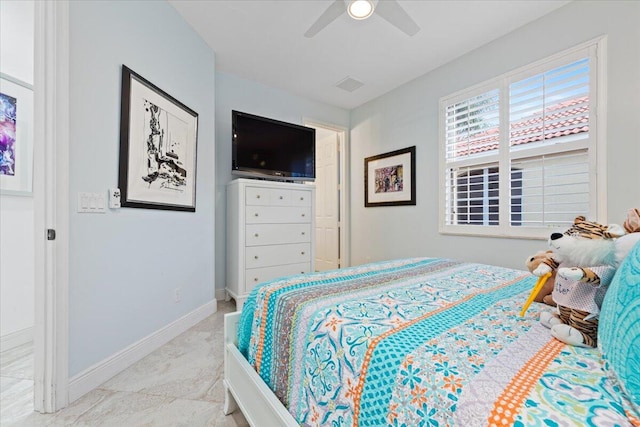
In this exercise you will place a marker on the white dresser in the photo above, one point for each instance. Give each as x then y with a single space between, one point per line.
270 233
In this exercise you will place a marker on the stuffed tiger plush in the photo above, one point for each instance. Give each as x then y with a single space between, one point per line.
587 259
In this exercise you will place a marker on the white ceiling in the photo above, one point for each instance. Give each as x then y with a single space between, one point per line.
263 40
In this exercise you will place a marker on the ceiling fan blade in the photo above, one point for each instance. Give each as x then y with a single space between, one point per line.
336 9
392 12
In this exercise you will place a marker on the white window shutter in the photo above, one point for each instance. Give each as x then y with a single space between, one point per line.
519 151
548 124
550 106
472 126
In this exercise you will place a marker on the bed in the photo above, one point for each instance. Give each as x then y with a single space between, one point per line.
427 341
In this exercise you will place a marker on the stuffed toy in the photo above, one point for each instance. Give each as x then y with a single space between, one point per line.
588 258
541 263
626 242
632 223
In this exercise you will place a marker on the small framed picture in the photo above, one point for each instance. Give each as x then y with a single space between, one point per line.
158 146
16 136
389 178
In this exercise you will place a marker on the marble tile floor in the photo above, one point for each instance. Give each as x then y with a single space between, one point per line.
179 384
16 383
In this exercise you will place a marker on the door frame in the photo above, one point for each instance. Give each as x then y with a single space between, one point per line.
51 205
343 185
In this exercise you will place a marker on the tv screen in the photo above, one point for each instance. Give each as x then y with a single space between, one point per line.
268 148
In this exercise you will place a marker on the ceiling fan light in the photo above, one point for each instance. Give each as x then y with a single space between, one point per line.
360 9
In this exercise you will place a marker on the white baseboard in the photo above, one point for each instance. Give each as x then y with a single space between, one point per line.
15 339
102 371
221 294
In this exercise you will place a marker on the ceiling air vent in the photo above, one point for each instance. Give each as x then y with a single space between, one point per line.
349 84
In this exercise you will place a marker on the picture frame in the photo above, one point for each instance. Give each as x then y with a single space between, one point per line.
390 178
158 147
16 136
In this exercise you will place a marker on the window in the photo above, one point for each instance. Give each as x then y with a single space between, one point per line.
519 152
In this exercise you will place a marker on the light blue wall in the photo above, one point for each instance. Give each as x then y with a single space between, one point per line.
409 116
125 264
236 93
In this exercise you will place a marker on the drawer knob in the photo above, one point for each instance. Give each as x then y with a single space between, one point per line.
256 235
281 197
255 257
255 214
301 198
255 279
258 196
302 214
303 233
302 253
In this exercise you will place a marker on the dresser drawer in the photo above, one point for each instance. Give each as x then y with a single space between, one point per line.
256 196
276 234
278 214
253 276
265 256
301 198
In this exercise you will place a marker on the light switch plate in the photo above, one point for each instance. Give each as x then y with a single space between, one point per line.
91 203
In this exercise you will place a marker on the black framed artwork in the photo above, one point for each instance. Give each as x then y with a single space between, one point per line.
390 178
158 147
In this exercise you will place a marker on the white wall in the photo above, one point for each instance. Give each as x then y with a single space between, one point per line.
16 212
409 116
235 93
17 41
125 264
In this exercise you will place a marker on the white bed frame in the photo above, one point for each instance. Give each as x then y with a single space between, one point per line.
244 388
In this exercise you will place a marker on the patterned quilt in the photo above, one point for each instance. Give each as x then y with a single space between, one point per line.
420 342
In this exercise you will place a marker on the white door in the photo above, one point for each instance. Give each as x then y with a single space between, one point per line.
327 200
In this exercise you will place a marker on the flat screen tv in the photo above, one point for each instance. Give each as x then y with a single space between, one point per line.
272 149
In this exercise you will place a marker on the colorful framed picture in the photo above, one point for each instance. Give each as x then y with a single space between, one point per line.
16 136
158 147
390 178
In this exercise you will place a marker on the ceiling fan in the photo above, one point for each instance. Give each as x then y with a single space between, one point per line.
389 10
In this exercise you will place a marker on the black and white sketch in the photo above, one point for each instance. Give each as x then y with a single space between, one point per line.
157 147
165 149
